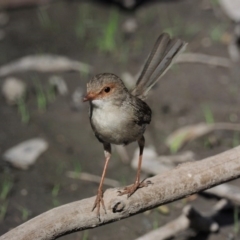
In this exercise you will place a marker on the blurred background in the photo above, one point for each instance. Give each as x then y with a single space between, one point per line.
50 49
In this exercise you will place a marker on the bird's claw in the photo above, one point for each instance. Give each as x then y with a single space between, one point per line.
133 188
98 202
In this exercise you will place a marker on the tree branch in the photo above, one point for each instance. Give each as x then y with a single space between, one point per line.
186 179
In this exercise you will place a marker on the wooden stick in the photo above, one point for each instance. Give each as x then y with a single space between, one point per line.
186 179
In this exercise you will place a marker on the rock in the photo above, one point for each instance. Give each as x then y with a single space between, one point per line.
130 25
13 89
26 153
60 84
231 8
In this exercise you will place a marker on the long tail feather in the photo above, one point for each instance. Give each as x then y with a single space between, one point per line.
158 62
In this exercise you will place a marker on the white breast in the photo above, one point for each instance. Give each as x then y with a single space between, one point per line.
113 124
105 115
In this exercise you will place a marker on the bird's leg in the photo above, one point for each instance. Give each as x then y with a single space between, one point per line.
99 198
131 189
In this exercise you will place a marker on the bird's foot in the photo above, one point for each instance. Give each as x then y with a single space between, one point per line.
133 188
98 202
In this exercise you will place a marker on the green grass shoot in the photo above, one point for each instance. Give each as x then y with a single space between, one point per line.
236 220
236 139
214 2
45 21
41 97
22 109
51 93
25 213
177 143
155 221
55 202
217 32
77 167
55 190
107 43
3 210
44 18
6 188
82 22
208 114
85 235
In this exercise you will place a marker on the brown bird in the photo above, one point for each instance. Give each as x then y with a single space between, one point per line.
120 116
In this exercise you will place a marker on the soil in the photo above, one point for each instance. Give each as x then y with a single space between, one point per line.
78 30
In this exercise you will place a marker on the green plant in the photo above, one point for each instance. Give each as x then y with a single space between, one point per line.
216 32
82 22
208 114
22 109
55 190
214 2
25 212
236 219
85 235
107 42
6 188
44 19
236 140
155 221
3 210
41 97
77 166
51 93
55 202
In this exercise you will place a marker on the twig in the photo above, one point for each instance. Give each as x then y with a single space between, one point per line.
190 218
204 59
92 178
186 179
44 63
227 191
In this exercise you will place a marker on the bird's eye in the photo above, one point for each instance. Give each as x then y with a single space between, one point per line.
107 89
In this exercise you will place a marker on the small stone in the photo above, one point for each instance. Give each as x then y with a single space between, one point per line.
24 192
231 8
13 89
130 25
26 153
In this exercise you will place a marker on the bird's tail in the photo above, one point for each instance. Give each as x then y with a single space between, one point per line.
159 60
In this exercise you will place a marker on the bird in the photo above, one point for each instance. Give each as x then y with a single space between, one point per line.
120 116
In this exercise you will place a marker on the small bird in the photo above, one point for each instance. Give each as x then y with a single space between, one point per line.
120 116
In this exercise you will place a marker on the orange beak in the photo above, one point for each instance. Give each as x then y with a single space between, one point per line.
89 96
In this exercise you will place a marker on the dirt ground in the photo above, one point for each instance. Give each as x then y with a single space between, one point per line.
80 30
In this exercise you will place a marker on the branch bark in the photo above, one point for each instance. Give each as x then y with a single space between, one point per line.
186 179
